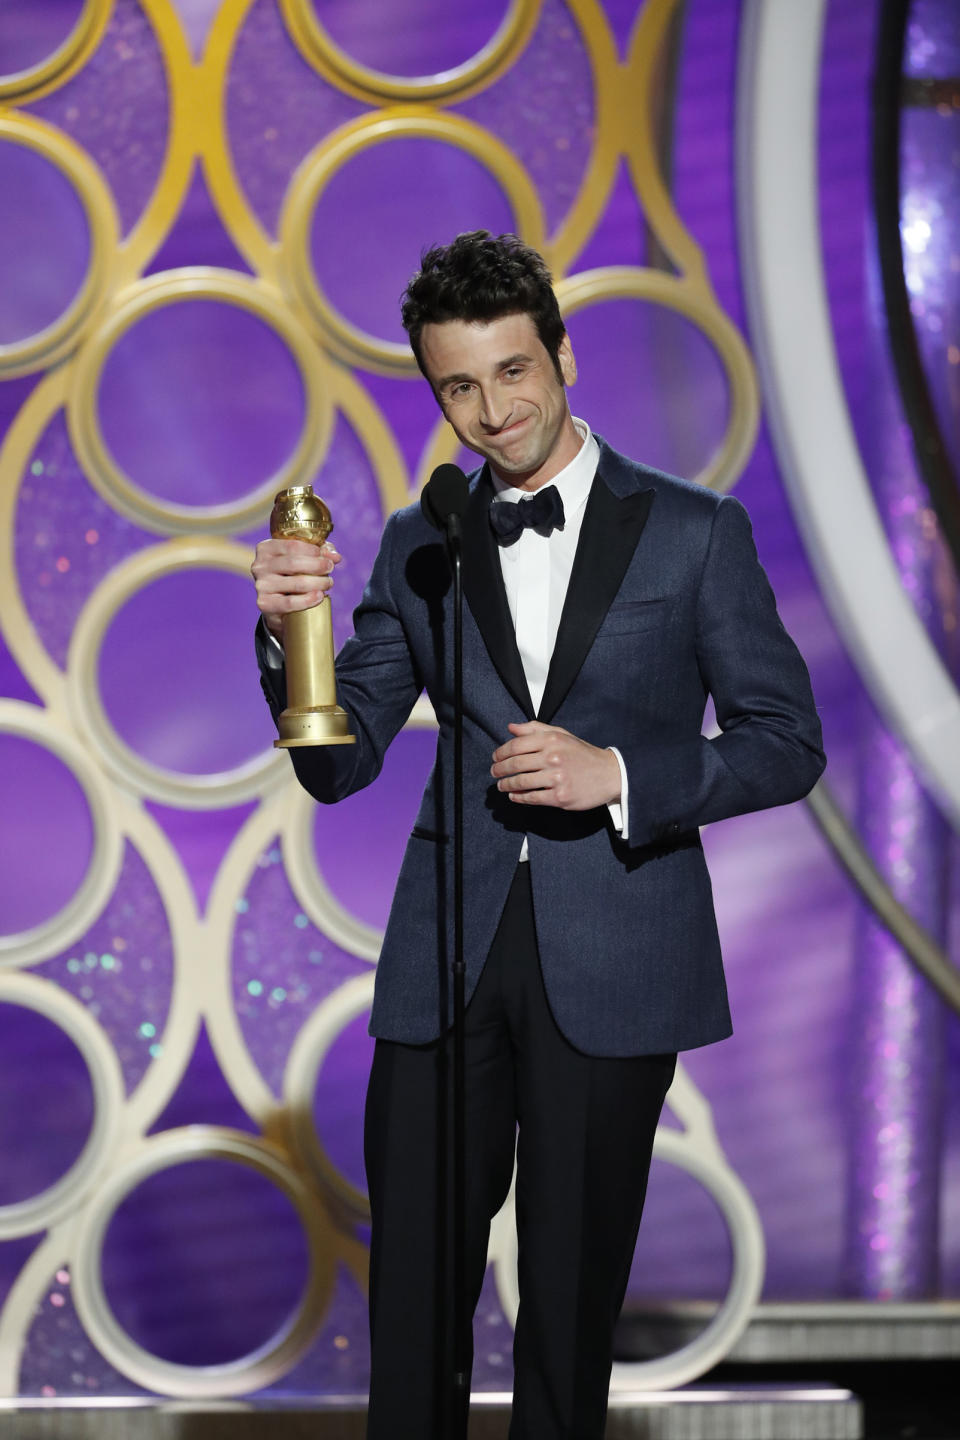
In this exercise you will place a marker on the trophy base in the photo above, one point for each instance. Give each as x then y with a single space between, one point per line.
324 725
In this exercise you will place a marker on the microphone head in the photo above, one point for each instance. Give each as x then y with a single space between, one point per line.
445 495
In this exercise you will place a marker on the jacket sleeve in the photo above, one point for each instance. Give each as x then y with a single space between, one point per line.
377 685
770 749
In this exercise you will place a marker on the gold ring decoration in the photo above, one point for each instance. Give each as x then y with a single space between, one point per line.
269 1361
73 53
697 305
304 1063
166 517
374 86
346 340
26 1217
57 933
40 351
169 787
311 890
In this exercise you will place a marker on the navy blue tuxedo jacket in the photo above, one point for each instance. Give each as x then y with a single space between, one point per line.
667 602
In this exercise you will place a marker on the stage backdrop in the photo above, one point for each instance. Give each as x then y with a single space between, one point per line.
209 213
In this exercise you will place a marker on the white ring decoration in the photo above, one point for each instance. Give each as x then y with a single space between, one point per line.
59 931
270 1360
816 445
304 1062
26 1217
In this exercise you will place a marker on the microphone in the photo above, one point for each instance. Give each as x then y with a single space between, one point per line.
444 499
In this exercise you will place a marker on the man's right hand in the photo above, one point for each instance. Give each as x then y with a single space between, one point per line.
291 575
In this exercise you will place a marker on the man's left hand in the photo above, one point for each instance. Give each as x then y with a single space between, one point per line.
545 765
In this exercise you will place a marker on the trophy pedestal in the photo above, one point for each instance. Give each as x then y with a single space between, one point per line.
316 725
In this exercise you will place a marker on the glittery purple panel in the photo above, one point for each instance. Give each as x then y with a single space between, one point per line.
233 386
898 1023
30 34
359 845
282 967
44 243
58 1356
41 797
348 484
122 969
658 391
191 707
116 107
225 1241
66 539
46 1103
898 1078
381 209
419 39
543 110
930 235
338 1361
278 109
933 40
492 1340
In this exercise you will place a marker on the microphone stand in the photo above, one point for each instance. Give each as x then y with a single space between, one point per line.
461 1320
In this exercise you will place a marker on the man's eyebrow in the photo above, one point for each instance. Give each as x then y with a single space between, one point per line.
518 359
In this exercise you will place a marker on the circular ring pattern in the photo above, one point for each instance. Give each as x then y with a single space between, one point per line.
26 1217
313 894
59 931
716 1339
269 1361
333 63
170 787
304 1062
344 338
167 517
55 340
24 85
696 305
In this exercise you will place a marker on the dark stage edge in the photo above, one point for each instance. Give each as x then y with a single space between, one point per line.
698 1412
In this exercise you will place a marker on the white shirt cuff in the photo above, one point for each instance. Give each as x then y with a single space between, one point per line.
619 810
274 649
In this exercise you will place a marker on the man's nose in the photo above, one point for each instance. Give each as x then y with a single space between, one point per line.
494 408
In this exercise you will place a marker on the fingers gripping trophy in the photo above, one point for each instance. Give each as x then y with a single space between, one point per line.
312 716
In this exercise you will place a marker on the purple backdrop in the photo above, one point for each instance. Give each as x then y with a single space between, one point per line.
200 402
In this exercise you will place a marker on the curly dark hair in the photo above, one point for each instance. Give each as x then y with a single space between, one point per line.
482 277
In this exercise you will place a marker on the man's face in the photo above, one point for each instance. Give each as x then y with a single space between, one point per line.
498 388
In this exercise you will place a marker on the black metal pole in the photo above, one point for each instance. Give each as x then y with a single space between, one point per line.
461 1319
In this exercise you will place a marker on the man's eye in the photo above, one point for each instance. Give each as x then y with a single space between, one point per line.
513 372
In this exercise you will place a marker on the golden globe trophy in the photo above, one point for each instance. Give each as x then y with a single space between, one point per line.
312 716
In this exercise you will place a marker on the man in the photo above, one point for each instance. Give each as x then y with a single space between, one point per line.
604 601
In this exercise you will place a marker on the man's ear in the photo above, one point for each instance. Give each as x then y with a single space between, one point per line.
568 365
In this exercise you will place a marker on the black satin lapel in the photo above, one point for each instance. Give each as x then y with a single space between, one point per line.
486 596
608 537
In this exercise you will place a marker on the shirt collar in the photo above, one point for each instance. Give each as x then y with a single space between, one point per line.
573 481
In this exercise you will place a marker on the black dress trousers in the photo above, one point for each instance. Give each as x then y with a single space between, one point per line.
586 1129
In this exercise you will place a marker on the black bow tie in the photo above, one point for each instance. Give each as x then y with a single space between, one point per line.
543 512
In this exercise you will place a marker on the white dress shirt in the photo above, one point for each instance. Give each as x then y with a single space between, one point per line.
536 572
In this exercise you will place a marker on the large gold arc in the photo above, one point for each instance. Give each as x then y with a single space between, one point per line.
345 339
57 339
697 305
374 86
